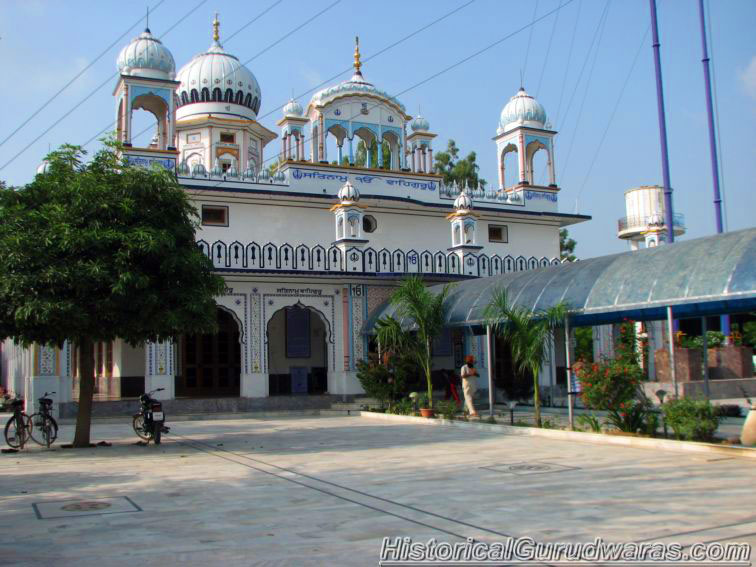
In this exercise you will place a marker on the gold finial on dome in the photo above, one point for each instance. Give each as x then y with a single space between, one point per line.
357 63
216 27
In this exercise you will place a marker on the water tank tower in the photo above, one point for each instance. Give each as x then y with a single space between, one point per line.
644 220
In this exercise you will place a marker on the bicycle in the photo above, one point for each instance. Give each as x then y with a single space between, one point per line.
18 428
44 430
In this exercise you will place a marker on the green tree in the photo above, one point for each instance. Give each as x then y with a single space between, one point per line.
462 171
360 156
529 334
566 246
97 251
427 310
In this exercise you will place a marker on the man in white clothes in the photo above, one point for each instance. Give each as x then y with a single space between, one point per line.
468 374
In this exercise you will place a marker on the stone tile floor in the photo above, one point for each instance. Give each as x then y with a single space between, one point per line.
326 490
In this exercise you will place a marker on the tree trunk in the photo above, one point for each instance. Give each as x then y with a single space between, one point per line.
86 391
428 373
536 397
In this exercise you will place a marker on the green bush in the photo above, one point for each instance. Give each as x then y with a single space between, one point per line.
692 420
402 407
447 408
590 421
384 383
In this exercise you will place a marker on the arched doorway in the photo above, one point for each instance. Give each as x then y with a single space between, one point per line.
211 363
297 352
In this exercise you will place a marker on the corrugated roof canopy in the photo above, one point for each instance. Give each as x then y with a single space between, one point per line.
705 276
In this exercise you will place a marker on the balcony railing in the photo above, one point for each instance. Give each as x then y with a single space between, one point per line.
629 223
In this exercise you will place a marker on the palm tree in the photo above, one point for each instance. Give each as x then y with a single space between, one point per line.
529 334
413 300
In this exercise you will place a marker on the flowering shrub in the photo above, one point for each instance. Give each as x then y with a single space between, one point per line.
613 385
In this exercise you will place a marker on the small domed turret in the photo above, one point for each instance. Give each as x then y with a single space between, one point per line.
522 110
43 167
146 56
348 193
420 124
293 108
463 202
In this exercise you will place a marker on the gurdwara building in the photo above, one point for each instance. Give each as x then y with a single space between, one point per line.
311 247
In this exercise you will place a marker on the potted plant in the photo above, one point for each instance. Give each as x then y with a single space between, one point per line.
417 321
424 405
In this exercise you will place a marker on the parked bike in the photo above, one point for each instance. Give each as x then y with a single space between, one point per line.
18 428
44 430
149 422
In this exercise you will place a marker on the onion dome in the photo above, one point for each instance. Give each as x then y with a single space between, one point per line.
217 170
293 108
522 110
215 82
232 172
348 193
420 124
146 56
357 85
43 167
264 176
463 202
249 173
279 177
198 170
183 168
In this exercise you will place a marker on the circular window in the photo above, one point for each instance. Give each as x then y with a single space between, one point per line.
369 224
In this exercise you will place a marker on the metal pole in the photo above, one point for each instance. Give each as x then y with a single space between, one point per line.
662 128
570 393
705 357
671 331
489 351
710 113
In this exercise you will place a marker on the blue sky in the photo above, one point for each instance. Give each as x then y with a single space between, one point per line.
44 43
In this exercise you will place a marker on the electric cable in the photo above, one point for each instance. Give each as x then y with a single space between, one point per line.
614 111
429 78
265 49
111 125
548 52
340 73
530 37
77 75
91 93
569 60
602 27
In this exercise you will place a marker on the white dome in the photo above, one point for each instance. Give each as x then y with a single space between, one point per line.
293 108
348 193
420 124
146 56
43 167
522 110
214 80
463 202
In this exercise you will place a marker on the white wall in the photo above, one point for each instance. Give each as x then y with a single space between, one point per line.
298 223
128 360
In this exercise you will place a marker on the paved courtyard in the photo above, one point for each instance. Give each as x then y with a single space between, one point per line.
326 490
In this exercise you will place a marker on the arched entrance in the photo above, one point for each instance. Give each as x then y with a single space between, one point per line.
297 352
211 364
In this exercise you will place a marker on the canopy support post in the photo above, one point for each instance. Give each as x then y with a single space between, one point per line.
704 332
671 333
489 353
570 393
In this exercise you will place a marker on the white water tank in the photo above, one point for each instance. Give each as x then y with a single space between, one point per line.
644 215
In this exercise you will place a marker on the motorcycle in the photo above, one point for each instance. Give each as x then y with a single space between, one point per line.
149 422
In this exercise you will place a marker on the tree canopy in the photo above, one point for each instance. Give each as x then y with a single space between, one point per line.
566 246
101 250
456 170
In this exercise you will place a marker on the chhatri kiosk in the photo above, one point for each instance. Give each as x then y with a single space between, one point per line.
311 247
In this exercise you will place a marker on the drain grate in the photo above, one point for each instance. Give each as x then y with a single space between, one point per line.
88 507
527 468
